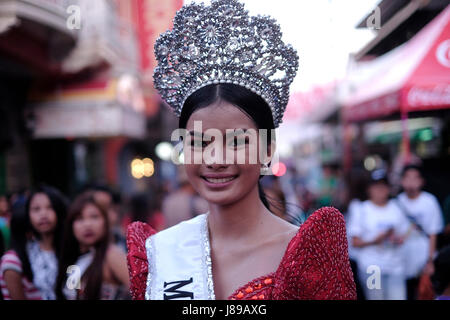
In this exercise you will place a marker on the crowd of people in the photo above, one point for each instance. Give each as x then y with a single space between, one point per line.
400 239
45 236
399 232
53 249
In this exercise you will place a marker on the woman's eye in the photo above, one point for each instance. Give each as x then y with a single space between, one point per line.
198 143
236 142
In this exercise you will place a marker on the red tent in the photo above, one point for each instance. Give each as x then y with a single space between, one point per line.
412 77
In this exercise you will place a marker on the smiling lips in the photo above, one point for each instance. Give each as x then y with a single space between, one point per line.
218 180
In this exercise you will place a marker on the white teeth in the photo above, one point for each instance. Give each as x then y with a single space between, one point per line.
219 180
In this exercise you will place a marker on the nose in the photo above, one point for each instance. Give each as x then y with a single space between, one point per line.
216 166
85 224
215 156
41 213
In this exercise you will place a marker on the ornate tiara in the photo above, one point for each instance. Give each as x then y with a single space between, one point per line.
221 43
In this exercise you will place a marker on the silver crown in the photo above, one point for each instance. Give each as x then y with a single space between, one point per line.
221 43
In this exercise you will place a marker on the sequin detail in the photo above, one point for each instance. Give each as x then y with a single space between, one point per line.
208 46
315 264
150 249
207 258
137 234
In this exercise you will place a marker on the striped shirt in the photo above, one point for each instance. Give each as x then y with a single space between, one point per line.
11 261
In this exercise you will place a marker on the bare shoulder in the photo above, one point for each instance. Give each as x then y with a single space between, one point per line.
114 253
286 227
283 231
290 233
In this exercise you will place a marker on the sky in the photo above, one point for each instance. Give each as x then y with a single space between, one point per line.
322 31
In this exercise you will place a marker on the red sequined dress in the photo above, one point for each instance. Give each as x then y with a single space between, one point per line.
315 264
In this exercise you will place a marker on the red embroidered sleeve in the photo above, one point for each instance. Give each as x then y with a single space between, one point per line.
137 233
317 266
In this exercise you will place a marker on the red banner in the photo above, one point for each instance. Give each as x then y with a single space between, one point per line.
153 18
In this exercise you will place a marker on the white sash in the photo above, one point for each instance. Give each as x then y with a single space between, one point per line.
179 262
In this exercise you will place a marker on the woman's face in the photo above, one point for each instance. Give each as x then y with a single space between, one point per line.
89 227
379 193
219 178
412 181
42 215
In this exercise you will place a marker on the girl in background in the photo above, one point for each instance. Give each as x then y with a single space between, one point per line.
100 265
28 271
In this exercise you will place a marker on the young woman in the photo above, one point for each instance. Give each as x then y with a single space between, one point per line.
91 267
29 269
239 249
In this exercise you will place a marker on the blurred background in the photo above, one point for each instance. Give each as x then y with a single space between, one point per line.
78 109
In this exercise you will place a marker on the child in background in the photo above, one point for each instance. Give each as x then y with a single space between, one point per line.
103 273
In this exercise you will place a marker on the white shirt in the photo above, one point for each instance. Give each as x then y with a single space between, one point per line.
44 265
427 213
368 223
425 209
352 213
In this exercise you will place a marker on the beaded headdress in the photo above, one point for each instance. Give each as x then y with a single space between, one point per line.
221 43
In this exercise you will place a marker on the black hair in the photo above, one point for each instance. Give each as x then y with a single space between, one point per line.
412 167
96 187
372 182
441 276
250 103
116 197
22 229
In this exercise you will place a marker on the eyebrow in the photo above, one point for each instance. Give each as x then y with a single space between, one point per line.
234 132
196 134
237 131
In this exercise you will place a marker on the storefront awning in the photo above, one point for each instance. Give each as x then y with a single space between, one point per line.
412 77
51 13
98 109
